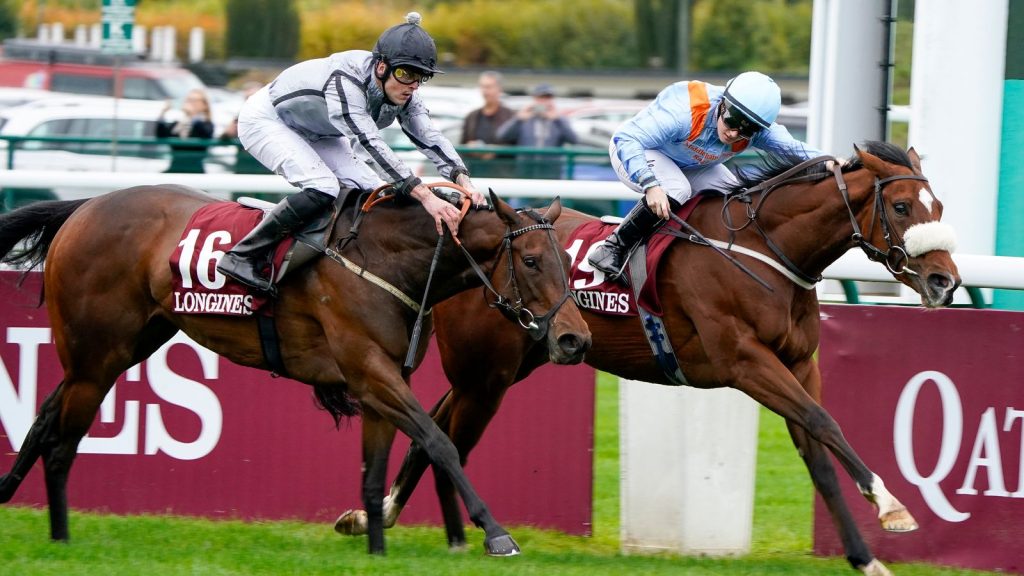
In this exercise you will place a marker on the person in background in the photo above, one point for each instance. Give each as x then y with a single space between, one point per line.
248 89
244 162
192 121
480 128
676 146
538 125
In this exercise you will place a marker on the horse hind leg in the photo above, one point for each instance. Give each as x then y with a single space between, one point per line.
38 441
80 400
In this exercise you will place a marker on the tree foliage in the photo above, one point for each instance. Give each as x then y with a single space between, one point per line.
262 29
724 35
8 19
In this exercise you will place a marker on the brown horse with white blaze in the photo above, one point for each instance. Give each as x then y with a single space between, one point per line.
108 290
727 330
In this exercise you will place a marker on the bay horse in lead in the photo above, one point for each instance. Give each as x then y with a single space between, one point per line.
108 290
727 330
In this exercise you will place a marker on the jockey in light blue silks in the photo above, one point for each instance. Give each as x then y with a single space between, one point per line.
675 147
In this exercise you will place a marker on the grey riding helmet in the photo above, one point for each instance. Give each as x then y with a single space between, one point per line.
408 45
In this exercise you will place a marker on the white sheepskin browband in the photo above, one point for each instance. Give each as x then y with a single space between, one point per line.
923 238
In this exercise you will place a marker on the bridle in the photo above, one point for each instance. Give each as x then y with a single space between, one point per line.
513 308
895 257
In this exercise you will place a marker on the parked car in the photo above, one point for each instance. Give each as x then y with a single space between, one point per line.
18 96
82 70
90 117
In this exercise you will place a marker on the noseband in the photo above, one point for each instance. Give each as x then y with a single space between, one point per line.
895 256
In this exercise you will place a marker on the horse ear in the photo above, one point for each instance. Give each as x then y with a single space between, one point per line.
504 211
873 163
554 210
915 160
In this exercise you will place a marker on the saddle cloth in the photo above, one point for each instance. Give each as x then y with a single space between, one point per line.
592 289
197 287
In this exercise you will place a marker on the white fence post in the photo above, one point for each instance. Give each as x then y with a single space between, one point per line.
687 460
196 44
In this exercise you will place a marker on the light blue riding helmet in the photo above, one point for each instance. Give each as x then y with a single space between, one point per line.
755 95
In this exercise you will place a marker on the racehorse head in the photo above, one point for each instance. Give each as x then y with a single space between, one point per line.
904 229
529 280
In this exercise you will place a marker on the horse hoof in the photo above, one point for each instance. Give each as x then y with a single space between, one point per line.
875 568
351 523
458 548
502 545
898 520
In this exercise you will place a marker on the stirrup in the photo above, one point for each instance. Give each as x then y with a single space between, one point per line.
610 273
229 266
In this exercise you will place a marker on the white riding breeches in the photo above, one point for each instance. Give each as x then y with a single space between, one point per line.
678 183
319 164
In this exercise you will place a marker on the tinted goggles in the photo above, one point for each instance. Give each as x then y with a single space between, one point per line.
409 76
735 120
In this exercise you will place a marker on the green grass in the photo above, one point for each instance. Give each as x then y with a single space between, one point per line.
169 546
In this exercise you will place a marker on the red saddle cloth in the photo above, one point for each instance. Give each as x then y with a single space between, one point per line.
197 287
592 289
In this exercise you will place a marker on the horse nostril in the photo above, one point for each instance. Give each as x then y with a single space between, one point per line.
569 343
940 281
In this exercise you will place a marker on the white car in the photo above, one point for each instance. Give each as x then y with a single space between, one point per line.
88 117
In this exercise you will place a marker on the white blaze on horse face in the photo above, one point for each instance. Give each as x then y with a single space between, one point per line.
927 199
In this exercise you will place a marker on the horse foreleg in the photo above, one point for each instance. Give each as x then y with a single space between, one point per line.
465 416
353 522
378 434
761 375
396 403
36 442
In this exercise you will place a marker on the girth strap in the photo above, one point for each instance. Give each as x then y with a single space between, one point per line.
270 343
654 328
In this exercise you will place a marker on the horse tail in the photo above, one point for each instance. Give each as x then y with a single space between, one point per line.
336 401
37 224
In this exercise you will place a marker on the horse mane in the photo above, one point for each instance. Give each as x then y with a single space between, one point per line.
772 164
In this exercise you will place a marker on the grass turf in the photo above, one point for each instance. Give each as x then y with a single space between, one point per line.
157 545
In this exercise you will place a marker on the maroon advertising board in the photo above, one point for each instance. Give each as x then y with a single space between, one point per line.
933 401
187 432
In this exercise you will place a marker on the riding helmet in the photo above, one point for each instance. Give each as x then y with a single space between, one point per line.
755 95
408 44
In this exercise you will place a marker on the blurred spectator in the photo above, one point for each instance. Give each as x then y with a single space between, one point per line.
191 122
244 162
538 126
480 128
248 89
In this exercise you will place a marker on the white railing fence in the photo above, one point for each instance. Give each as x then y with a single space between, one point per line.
976 270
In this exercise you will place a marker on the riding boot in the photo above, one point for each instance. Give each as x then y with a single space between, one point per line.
613 254
248 261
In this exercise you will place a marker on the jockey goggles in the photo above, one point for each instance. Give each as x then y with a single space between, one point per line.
408 76
736 120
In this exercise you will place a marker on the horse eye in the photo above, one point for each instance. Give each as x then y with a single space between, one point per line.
901 208
530 261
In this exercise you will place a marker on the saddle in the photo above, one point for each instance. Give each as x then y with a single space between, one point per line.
196 286
592 289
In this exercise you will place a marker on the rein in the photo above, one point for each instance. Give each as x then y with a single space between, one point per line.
895 257
536 326
512 308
